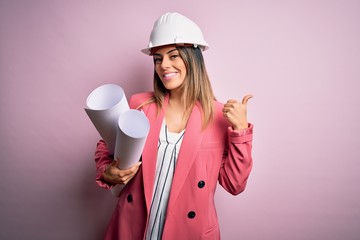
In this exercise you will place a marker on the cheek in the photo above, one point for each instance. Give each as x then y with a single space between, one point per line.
184 72
182 67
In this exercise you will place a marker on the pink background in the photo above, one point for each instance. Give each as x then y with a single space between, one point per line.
301 60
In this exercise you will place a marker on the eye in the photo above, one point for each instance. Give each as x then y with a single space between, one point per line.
157 60
174 56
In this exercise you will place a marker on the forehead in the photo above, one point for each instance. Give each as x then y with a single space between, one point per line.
163 49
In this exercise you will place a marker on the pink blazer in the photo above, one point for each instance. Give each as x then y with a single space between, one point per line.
216 154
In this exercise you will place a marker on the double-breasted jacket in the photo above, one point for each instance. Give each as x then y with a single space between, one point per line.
216 154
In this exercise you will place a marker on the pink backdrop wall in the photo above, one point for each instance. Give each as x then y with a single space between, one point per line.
300 59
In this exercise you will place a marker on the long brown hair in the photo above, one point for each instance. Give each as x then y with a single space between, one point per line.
196 88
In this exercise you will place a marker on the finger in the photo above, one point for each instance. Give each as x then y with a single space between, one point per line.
229 106
226 113
130 170
135 167
125 179
230 103
114 163
125 176
246 99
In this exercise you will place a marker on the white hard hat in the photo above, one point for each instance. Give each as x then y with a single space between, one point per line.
174 28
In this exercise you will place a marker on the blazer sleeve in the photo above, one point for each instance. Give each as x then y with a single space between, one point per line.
237 160
102 160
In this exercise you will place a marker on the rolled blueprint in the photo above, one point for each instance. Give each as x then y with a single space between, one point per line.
104 107
133 128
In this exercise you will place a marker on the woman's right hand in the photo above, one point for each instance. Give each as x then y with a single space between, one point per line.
113 174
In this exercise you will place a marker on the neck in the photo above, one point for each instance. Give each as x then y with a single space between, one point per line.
176 98
175 115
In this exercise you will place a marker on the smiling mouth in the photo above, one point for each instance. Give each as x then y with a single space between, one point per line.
169 75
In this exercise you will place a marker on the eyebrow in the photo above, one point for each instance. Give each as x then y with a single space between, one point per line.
157 54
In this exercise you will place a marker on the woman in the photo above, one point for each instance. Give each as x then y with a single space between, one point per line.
194 142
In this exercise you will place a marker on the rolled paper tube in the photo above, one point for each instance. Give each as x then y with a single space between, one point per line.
104 107
133 128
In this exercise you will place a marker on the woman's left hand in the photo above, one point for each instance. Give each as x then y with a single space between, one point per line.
235 112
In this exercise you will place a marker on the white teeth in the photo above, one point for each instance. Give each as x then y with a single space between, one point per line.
169 74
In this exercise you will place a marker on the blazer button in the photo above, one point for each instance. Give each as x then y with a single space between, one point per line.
191 214
129 198
201 184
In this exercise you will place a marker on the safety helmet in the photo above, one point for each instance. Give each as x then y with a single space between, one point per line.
174 28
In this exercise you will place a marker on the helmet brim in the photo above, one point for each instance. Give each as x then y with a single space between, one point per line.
148 50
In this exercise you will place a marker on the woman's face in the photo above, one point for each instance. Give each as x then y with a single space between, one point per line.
170 67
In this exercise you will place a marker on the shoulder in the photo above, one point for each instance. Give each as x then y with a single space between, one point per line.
218 106
137 99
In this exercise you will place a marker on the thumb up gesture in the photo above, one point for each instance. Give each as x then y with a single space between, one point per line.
235 112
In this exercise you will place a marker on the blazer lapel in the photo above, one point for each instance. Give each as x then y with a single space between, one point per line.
149 155
189 147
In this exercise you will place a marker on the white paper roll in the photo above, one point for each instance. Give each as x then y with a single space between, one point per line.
104 107
133 128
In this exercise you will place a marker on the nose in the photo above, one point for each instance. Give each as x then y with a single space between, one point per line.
165 63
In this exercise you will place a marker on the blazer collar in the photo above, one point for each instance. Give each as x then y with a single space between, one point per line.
190 145
149 155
